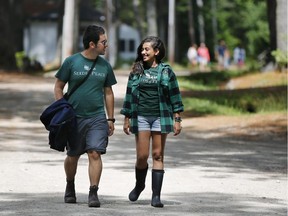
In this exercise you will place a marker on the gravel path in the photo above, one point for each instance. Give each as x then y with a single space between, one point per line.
218 166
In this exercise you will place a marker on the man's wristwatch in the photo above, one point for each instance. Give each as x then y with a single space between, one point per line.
111 119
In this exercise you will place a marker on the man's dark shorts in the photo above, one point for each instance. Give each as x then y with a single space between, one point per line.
92 134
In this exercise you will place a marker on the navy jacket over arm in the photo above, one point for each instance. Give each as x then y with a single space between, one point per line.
60 120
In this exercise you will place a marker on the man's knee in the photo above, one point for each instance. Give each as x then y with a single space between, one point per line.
92 154
72 159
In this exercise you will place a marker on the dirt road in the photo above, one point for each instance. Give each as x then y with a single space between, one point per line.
218 166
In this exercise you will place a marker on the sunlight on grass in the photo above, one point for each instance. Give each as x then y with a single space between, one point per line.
265 92
194 86
205 107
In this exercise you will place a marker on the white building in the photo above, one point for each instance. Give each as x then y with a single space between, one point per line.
42 33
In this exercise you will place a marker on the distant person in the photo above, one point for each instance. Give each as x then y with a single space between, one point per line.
90 101
239 55
192 55
221 54
152 108
227 57
204 57
236 53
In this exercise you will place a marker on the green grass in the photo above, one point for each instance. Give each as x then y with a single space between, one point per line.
235 103
202 107
208 80
211 101
188 85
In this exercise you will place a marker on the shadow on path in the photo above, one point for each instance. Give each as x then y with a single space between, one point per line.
198 204
226 157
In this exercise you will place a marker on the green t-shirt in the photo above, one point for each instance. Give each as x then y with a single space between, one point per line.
88 99
148 91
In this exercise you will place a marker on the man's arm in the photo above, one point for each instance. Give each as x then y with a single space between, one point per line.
109 101
58 89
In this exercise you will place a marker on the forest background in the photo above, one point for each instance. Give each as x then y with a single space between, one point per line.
259 25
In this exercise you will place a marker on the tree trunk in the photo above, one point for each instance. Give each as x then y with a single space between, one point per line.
111 27
151 18
271 12
191 22
214 22
171 32
281 25
10 32
69 28
138 18
162 17
201 22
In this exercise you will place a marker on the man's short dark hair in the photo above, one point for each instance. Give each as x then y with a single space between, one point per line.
92 33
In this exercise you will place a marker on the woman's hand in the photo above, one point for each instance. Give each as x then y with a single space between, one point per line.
177 128
126 126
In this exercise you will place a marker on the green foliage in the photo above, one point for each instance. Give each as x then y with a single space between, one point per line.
26 64
281 58
19 59
99 3
243 22
238 22
125 11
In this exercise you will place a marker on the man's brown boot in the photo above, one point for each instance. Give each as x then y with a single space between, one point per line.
70 195
93 200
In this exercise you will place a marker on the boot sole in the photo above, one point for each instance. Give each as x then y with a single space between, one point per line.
70 200
158 205
95 205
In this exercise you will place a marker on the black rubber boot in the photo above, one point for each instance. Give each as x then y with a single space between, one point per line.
157 179
140 183
70 195
93 200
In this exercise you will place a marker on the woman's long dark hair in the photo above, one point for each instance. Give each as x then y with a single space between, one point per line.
157 44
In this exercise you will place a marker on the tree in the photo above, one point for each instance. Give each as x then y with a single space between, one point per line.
271 14
171 32
281 25
151 18
138 18
70 28
11 33
191 22
235 21
111 27
239 21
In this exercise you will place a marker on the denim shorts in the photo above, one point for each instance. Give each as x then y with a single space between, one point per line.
92 134
149 123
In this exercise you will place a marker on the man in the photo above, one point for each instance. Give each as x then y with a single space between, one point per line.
89 102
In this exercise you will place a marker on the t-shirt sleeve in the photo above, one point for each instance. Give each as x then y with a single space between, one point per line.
64 71
111 79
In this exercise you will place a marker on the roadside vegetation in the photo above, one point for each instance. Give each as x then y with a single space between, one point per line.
233 92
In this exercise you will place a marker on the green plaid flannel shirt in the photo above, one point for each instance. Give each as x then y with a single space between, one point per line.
170 100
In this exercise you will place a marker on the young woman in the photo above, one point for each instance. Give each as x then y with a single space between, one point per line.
152 108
